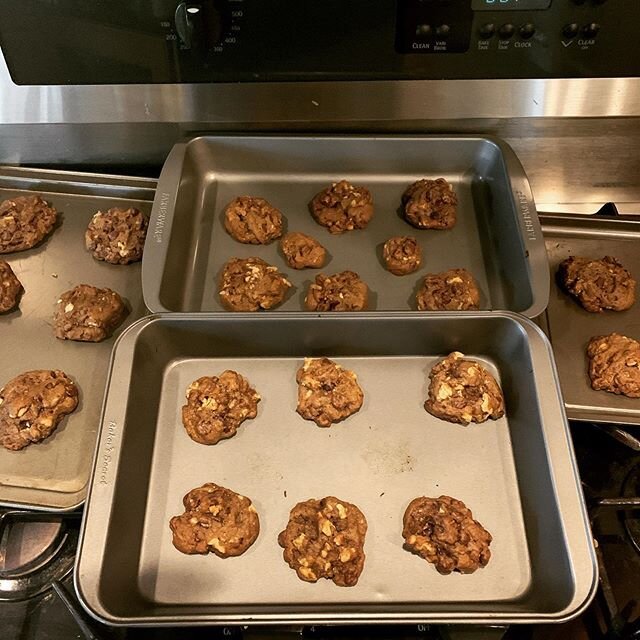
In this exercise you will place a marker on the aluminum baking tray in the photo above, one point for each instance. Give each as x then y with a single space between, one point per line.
497 236
518 474
570 327
54 475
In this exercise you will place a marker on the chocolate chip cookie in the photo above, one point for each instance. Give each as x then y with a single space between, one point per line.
302 251
117 236
452 290
252 220
32 405
463 391
251 284
24 222
88 314
430 204
327 393
215 520
342 207
597 284
10 288
325 539
343 291
614 364
442 531
217 406
402 255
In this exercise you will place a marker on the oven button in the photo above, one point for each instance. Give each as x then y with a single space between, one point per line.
527 31
486 31
423 30
506 31
443 30
591 30
570 30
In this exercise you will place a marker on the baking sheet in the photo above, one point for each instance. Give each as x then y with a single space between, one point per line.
53 475
392 445
570 327
517 474
497 237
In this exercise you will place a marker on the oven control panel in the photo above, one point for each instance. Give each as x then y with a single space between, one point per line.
159 41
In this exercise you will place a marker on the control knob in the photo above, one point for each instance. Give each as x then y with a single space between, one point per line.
200 25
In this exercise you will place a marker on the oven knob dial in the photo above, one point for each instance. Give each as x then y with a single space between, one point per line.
201 25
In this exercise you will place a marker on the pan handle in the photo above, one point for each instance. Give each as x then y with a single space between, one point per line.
156 246
535 250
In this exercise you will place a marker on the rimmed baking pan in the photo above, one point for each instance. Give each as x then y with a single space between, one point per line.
497 236
517 474
53 475
570 327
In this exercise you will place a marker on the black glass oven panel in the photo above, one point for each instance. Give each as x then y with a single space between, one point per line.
159 41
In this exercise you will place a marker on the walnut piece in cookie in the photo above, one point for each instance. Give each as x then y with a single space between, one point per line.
597 284
325 539
430 204
251 284
252 220
10 288
442 531
342 207
32 405
463 391
402 255
327 393
88 314
302 251
614 364
24 222
217 406
117 236
215 520
343 291
452 290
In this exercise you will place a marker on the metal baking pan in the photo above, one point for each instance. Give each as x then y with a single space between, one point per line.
570 327
54 474
517 474
497 236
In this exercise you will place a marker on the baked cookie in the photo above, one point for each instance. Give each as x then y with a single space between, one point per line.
24 222
463 391
10 288
117 236
302 251
402 255
343 291
252 220
217 406
325 539
614 364
88 314
215 519
342 207
251 284
452 290
442 531
32 405
597 284
327 393
430 204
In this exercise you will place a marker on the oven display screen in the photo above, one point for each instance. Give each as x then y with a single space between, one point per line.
485 5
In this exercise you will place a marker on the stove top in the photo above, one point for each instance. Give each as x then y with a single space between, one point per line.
37 600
